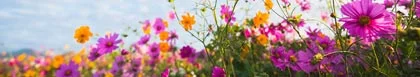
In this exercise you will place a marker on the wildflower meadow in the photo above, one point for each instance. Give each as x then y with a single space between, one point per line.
351 38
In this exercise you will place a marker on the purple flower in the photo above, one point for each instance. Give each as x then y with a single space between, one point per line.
305 61
94 54
154 51
124 52
173 36
417 9
99 74
218 72
389 3
187 51
117 65
165 73
367 21
282 58
227 14
143 40
68 70
320 42
108 43
159 26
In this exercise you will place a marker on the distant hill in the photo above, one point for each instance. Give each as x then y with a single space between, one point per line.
27 51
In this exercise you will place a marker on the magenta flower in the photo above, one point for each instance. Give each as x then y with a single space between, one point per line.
108 43
282 58
124 52
94 54
187 51
404 2
154 51
417 9
285 2
68 70
159 26
143 40
218 72
227 14
389 3
173 36
304 6
171 15
166 73
367 21
247 33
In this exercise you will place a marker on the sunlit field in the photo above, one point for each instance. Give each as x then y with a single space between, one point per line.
215 38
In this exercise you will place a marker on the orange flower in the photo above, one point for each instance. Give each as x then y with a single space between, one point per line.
57 61
30 73
21 57
164 35
260 19
268 4
164 46
187 21
82 34
262 39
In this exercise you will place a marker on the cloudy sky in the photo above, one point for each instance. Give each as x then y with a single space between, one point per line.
50 24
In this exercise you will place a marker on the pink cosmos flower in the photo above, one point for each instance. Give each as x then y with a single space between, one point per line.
367 21
227 14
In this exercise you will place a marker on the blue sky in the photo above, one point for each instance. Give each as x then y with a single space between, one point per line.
50 24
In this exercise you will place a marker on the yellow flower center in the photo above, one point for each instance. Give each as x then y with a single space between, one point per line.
364 20
109 44
318 57
293 58
67 73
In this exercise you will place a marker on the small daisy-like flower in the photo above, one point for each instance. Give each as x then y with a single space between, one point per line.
108 43
260 19
159 25
82 34
262 39
268 4
188 21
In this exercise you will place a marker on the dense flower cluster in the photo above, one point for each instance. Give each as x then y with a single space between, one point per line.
367 39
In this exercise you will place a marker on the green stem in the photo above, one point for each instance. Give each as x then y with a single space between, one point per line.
376 56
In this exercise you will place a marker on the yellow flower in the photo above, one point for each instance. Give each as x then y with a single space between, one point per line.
77 59
164 35
82 34
262 39
268 4
165 23
146 30
30 73
57 61
31 59
164 46
187 21
108 74
21 57
260 19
